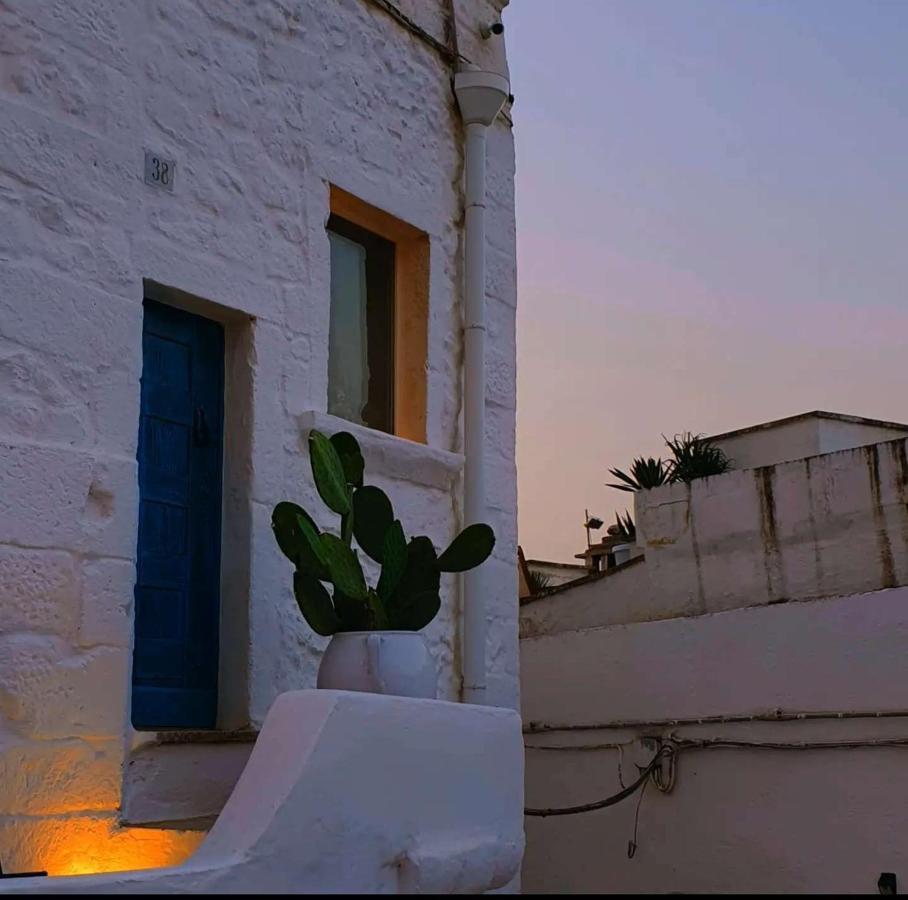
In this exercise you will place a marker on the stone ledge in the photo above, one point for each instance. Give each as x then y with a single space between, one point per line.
182 785
392 456
241 736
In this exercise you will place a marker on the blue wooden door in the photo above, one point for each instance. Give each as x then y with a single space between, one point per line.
175 656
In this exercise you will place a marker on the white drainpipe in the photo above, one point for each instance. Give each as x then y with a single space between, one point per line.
480 96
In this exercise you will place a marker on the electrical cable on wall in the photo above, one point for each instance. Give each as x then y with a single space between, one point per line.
772 715
663 752
450 55
733 744
632 843
670 750
661 770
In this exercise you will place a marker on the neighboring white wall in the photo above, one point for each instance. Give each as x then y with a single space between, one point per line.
827 525
608 598
262 105
722 620
738 820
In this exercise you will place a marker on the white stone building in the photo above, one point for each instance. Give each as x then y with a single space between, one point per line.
167 172
797 437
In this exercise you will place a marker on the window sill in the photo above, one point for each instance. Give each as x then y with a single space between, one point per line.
392 456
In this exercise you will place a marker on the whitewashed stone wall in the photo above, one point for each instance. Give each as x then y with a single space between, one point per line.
769 613
823 526
741 817
262 105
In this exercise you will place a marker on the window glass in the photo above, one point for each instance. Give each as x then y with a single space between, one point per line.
348 359
360 341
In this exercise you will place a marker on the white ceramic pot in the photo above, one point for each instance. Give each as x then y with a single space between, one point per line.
379 662
622 553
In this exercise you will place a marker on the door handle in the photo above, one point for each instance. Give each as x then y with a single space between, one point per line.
200 436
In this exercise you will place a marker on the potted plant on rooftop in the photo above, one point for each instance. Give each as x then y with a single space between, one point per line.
626 531
375 641
695 456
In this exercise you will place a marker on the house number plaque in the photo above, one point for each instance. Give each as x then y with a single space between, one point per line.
159 172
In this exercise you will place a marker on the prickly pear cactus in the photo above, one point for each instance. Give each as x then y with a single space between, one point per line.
406 596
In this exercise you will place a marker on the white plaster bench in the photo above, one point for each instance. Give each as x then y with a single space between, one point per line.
355 793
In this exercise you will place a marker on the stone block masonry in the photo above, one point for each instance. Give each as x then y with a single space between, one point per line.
262 106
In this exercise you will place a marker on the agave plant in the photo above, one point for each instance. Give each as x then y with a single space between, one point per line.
693 456
406 595
625 527
645 473
538 581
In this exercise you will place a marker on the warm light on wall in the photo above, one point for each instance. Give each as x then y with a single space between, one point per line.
89 846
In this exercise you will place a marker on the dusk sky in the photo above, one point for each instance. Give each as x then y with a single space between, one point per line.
712 222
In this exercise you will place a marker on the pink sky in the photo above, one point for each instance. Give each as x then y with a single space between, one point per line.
712 214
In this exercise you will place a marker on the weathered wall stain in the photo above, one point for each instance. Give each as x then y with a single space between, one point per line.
814 533
899 454
695 545
887 563
772 555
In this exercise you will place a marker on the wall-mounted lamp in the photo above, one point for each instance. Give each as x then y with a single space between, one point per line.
487 31
592 523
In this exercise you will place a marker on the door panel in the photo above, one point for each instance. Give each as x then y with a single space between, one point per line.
175 658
